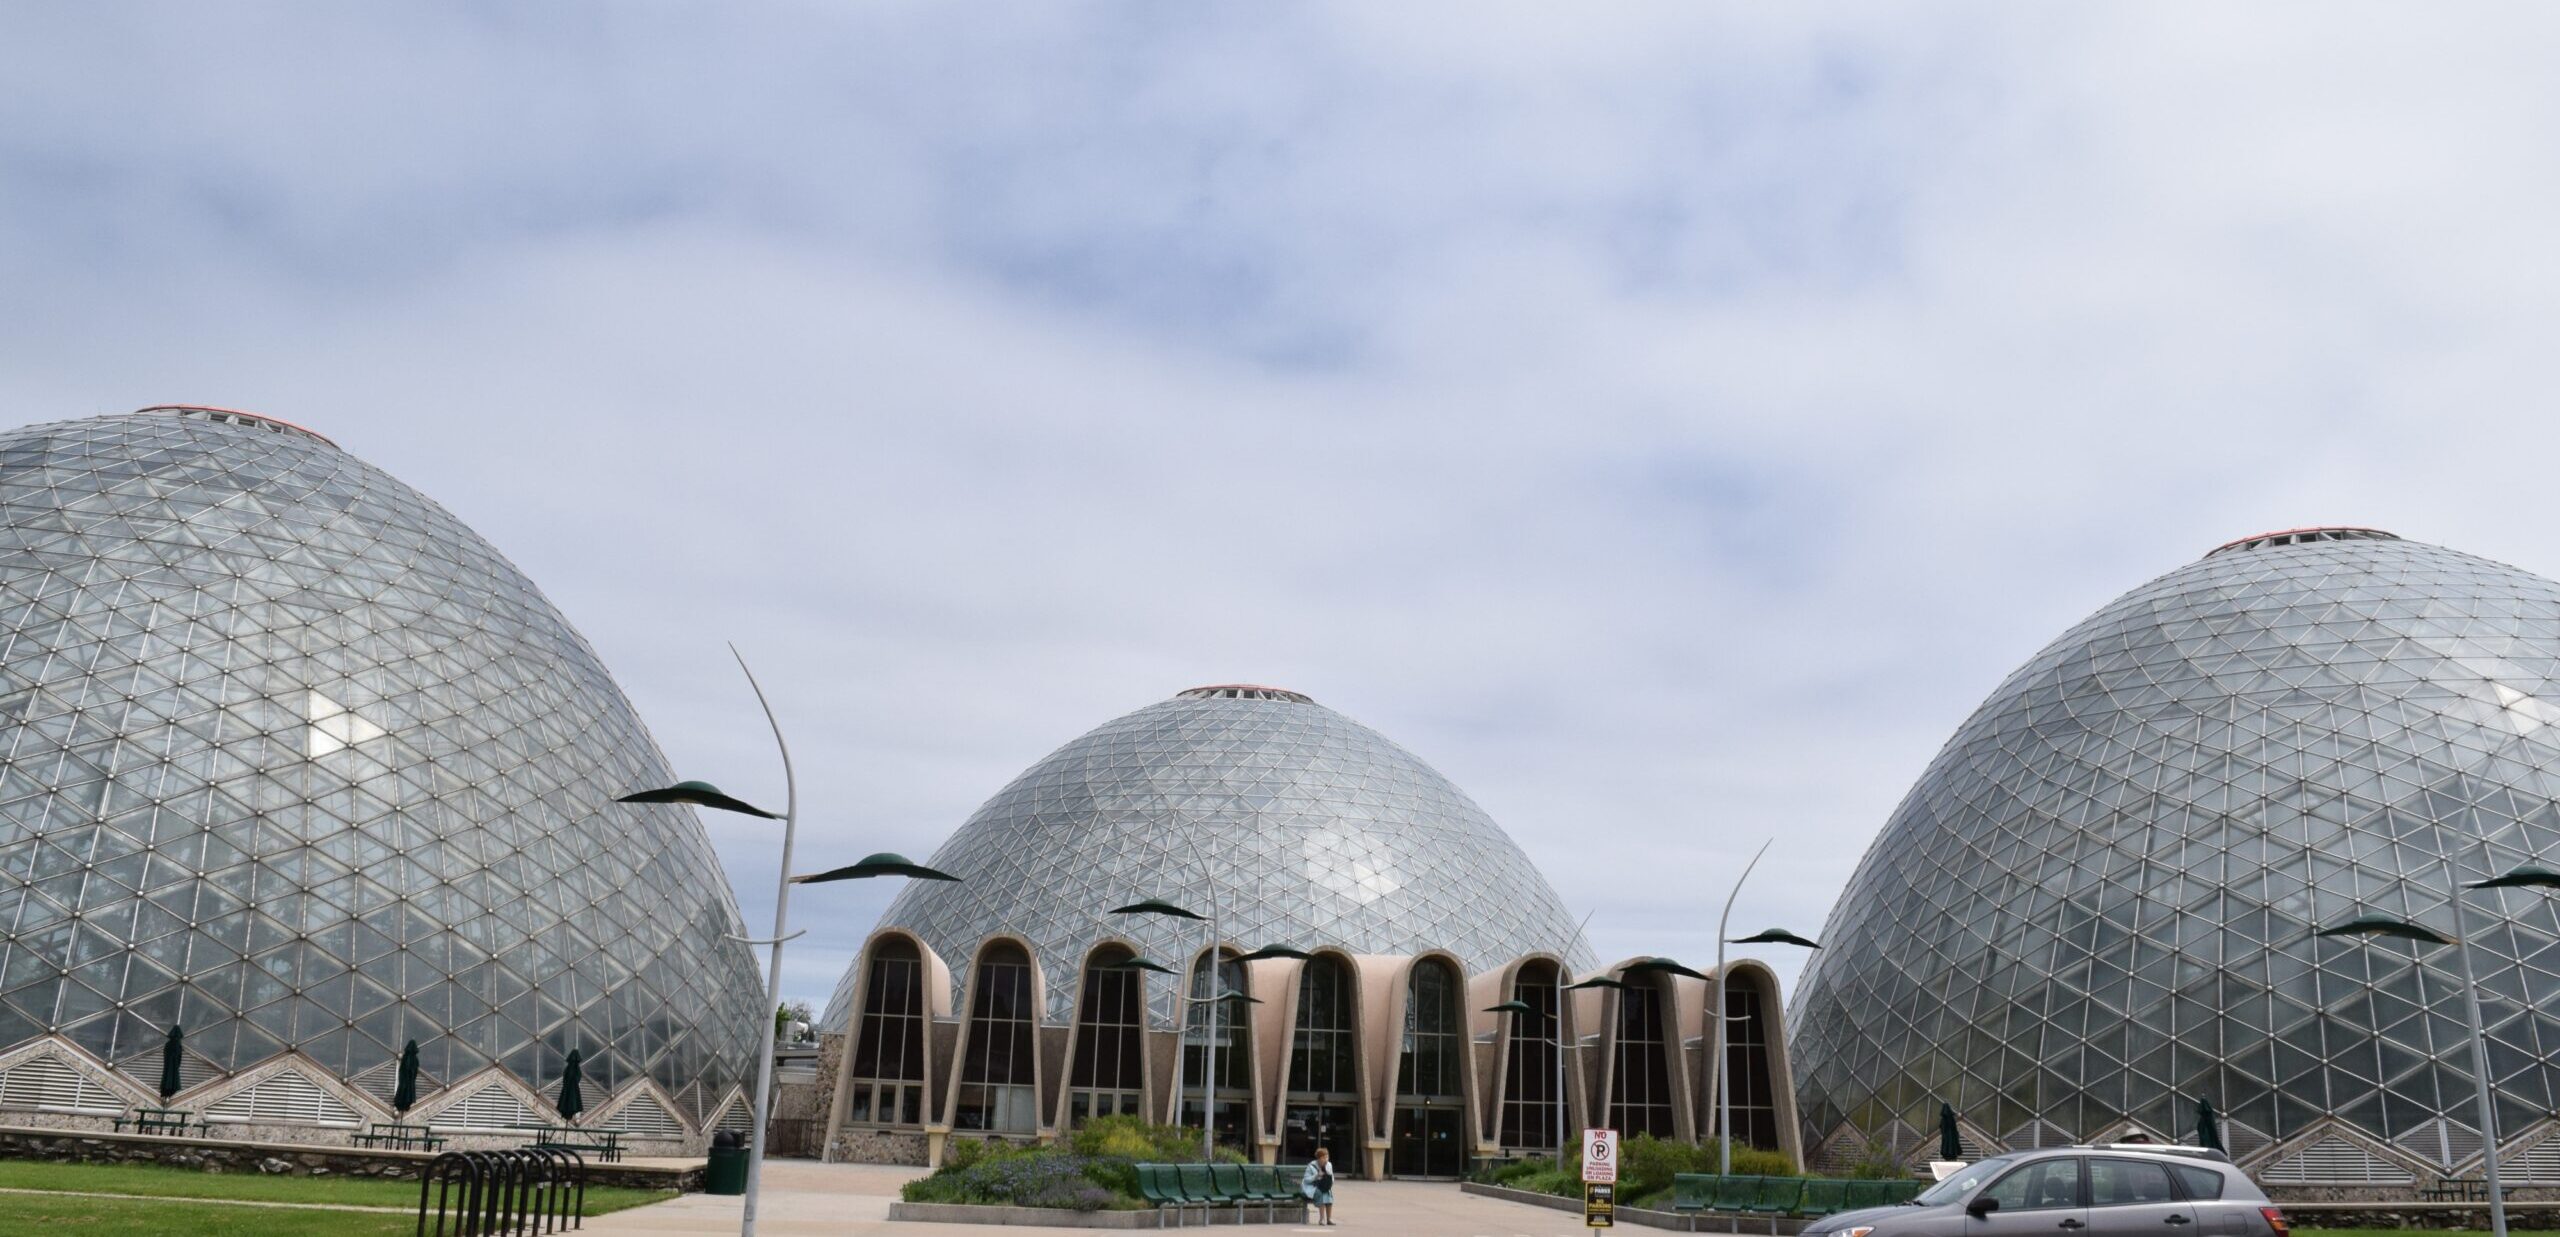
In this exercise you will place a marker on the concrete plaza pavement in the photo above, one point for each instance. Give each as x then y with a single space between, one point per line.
803 1198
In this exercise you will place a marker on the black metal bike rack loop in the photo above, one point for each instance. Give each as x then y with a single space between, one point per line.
521 1192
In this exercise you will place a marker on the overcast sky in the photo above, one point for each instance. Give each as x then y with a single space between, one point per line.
1668 421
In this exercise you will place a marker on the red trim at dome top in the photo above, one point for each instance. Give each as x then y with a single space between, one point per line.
2299 536
1243 691
259 418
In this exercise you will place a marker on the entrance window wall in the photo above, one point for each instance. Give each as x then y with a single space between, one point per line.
1235 1048
1640 1073
887 1082
996 1091
1529 1069
1324 1078
1106 1077
1746 1067
1430 1086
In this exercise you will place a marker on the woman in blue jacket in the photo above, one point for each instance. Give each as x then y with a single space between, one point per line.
1317 1184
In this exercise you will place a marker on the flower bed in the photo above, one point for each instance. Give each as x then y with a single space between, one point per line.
1095 1170
1646 1166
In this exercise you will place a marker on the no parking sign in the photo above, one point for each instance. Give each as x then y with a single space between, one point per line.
1599 1157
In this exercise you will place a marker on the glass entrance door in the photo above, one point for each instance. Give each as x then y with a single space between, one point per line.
1426 1144
1310 1126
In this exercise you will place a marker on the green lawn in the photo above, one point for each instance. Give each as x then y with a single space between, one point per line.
28 1215
159 1182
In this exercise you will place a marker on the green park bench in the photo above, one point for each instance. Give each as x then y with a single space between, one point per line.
1822 1196
1776 1196
1178 1187
1805 1198
1156 1185
1198 1185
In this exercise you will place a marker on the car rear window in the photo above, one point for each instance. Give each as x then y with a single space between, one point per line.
2203 1184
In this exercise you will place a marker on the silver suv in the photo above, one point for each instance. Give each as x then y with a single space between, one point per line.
2121 1190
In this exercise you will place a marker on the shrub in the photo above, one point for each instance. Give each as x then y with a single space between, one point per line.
1021 1177
1097 1167
1132 1138
1879 1164
1759 1162
1646 1166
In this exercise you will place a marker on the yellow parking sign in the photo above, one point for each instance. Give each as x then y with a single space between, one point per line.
1599 1205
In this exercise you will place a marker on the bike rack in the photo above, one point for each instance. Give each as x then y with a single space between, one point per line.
521 1192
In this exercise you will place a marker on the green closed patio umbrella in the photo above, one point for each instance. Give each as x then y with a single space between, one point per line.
571 1074
404 1090
172 1051
2208 1131
1950 1145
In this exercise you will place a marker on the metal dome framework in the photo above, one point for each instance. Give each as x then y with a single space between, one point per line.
296 760
2097 903
1303 826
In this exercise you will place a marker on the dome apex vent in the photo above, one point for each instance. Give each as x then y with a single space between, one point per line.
2302 536
1244 691
233 416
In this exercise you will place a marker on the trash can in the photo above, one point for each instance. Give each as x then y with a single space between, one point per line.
728 1171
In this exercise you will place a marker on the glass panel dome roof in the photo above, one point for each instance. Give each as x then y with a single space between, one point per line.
1303 827
2097 903
295 759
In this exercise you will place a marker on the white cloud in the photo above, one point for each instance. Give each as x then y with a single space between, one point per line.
1668 422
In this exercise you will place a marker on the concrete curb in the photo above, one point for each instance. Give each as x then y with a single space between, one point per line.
1060 1217
1701 1222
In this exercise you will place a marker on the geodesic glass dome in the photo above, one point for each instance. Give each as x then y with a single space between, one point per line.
2097 904
1300 826
296 760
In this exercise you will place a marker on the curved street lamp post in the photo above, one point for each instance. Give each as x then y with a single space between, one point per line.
1219 994
1766 936
704 794
2525 877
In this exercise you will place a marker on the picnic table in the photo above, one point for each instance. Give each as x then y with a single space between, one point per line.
2462 1190
160 1121
399 1137
605 1144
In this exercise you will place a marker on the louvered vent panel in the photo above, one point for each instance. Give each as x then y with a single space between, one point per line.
735 1117
2037 1134
193 1071
50 1083
492 1107
1925 1150
2440 1142
1840 1152
2539 1165
286 1096
2243 1140
645 1117
383 1081
2331 1160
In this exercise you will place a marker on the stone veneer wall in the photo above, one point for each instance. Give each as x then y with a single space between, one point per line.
59 1145
830 1060
333 1137
2386 1195
878 1147
2540 1216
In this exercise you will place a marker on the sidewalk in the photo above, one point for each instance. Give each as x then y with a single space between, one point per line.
803 1198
